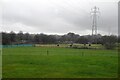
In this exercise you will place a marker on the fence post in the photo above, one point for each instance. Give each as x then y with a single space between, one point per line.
47 52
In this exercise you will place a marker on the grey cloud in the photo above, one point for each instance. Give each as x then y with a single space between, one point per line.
58 16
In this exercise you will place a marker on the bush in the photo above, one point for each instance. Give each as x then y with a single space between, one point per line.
109 45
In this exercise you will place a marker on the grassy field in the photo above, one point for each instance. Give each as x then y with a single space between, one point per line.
0 63
59 62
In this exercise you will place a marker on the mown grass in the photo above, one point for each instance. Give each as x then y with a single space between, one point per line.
0 63
57 62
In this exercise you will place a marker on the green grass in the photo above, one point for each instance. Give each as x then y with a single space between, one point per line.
0 63
33 62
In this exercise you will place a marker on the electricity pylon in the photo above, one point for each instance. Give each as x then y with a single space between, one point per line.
94 13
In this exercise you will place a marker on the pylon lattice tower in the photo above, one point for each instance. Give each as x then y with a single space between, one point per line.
94 13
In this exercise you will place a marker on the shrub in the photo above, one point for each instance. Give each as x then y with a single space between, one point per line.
109 45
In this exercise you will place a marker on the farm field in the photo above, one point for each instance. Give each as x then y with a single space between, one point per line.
59 62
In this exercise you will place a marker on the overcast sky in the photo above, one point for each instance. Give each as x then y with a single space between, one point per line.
58 16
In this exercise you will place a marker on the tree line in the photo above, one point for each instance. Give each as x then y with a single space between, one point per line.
27 38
